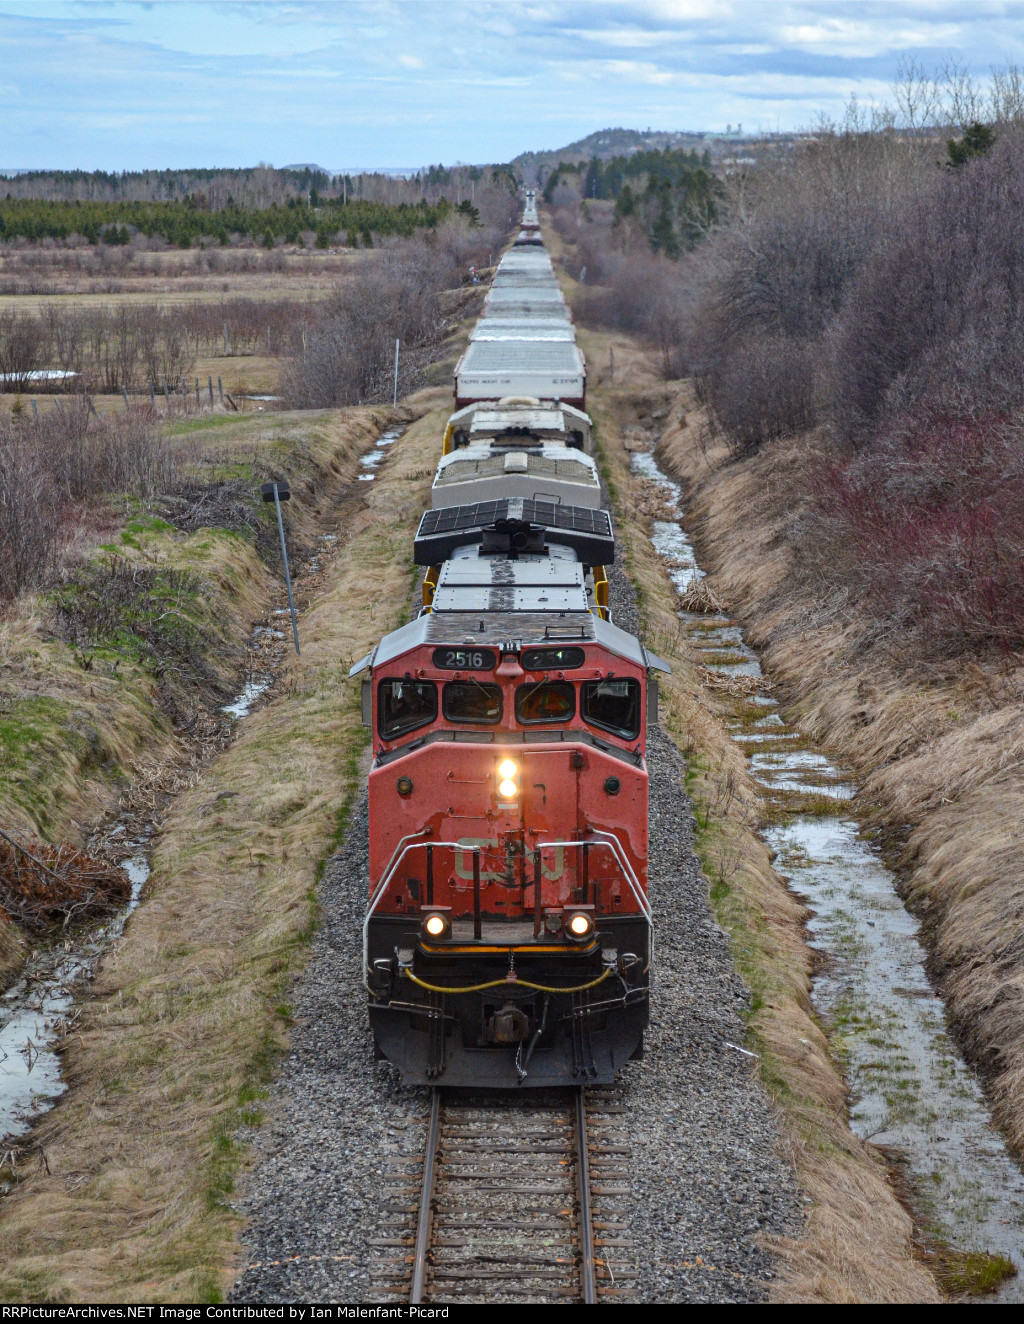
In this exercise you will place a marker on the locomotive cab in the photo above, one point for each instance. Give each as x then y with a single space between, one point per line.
508 938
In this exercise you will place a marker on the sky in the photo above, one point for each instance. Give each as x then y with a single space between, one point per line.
401 83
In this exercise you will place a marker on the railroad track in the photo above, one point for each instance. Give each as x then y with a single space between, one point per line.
515 1199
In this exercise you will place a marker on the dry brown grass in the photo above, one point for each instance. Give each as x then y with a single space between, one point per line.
858 1244
940 755
182 1027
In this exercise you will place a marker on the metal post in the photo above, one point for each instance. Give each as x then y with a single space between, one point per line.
124 392
477 932
396 372
538 916
586 873
35 411
430 875
287 574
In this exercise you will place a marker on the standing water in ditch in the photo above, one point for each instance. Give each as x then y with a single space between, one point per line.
911 1091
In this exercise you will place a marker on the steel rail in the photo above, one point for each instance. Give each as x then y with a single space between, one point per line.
588 1278
423 1227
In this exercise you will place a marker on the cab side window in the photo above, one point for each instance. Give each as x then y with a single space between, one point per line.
612 705
403 705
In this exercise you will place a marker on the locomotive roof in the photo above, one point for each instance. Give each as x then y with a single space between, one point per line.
522 628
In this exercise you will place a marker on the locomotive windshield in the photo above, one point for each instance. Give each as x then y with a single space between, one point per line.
403 705
552 701
613 705
470 701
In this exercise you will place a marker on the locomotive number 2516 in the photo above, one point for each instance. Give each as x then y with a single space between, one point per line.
465 659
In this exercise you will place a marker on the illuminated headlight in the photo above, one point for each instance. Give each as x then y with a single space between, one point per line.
507 778
579 926
436 926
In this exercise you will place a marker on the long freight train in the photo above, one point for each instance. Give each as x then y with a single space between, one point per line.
507 941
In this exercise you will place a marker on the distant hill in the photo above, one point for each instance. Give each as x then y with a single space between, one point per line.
604 144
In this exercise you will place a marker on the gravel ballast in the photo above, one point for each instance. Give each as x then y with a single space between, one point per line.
708 1179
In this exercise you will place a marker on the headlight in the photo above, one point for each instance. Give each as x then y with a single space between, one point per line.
436 926
507 778
579 926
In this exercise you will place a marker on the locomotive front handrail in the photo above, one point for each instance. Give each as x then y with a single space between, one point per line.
608 839
381 888
612 841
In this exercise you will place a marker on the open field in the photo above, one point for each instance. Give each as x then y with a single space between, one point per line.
31 280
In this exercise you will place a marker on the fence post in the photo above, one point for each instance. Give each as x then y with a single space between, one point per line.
226 349
396 371
167 398
210 383
611 364
35 411
124 392
220 389
152 397
197 392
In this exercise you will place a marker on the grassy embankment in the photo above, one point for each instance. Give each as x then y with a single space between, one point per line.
179 1035
858 1244
152 622
939 751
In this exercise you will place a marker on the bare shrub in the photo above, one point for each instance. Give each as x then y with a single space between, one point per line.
938 312
43 885
348 352
29 524
49 467
24 348
928 525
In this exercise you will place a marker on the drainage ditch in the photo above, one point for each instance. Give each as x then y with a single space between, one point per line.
911 1091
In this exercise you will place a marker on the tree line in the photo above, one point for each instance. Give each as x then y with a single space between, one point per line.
184 223
673 194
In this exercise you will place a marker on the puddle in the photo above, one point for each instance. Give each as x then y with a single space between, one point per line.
242 706
37 1010
373 458
911 1091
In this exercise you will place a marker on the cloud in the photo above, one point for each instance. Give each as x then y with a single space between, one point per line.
402 82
